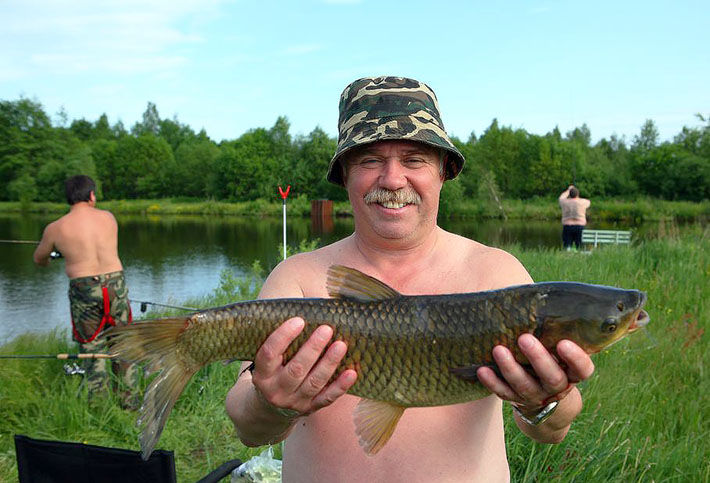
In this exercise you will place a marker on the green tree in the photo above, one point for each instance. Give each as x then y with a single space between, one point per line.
176 133
647 139
142 167
313 154
194 169
247 169
150 123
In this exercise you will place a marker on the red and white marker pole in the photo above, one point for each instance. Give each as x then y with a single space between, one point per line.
284 195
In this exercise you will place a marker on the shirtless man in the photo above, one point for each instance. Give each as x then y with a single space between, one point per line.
393 157
574 216
87 238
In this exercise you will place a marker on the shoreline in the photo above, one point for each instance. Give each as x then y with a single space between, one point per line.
643 209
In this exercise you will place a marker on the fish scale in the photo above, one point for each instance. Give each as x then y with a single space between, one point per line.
408 351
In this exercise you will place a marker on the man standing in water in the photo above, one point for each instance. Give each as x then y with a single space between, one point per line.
574 217
87 238
393 158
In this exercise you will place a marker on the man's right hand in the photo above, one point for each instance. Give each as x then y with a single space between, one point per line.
301 385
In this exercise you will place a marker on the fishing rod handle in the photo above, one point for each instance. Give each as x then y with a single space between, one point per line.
83 356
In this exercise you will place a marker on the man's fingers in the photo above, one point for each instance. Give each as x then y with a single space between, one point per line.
523 384
551 376
323 370
579 364
269 358
336 389
300 365
493 383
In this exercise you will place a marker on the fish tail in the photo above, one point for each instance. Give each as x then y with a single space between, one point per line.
155 343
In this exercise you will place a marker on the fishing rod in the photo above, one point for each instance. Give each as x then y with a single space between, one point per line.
56 356
53 255
145 303
27 242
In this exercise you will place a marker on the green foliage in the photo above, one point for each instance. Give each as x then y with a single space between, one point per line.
165 158
232 288
23 189
452 195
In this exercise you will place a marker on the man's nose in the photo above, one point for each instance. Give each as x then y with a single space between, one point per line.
393 175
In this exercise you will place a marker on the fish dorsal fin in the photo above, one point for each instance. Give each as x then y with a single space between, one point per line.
348 283
375 422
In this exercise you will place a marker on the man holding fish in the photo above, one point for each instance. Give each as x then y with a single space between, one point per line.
393 158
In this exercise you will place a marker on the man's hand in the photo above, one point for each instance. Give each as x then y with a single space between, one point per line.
552 381
302 385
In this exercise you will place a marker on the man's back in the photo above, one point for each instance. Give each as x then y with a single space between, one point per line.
88 239
574 210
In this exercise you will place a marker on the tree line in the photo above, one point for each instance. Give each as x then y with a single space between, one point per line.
159 158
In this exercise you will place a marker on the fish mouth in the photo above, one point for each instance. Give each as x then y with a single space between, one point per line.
642 318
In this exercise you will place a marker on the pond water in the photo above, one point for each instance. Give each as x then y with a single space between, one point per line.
171 259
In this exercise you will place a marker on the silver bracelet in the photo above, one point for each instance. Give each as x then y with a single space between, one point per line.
538 418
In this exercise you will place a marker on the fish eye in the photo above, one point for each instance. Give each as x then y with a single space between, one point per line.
609 325
620 306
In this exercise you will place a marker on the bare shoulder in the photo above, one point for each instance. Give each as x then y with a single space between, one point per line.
303 274
493 268
106 215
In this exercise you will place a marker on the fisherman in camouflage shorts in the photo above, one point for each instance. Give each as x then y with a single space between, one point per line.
87 239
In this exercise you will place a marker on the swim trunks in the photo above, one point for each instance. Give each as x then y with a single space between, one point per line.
86 300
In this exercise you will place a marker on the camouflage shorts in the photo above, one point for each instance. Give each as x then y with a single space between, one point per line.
87 308
87 302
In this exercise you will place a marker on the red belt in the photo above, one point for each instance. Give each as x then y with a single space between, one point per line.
106 319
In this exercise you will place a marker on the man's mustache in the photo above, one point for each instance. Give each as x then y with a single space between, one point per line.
404 195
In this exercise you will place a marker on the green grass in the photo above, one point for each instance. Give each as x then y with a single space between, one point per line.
647 407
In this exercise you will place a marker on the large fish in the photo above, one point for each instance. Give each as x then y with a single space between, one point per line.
407 350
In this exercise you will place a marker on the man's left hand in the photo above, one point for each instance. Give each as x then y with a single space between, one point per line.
551 381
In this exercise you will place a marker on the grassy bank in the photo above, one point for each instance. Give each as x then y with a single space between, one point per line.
647 408
636 211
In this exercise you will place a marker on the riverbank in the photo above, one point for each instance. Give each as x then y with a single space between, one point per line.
646 414
636 211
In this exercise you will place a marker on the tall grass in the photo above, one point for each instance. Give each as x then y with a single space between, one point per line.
647 407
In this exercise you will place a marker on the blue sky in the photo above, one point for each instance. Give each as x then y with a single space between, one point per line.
229 66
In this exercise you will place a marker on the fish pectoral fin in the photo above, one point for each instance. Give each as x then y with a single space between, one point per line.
375 422
348 283
469 373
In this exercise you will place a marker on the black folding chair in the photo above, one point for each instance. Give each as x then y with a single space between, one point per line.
41 461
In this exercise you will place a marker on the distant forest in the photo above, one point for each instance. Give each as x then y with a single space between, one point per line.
160 158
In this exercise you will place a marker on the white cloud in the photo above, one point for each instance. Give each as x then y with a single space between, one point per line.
110 36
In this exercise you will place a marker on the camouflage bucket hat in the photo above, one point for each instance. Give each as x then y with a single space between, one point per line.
385 108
